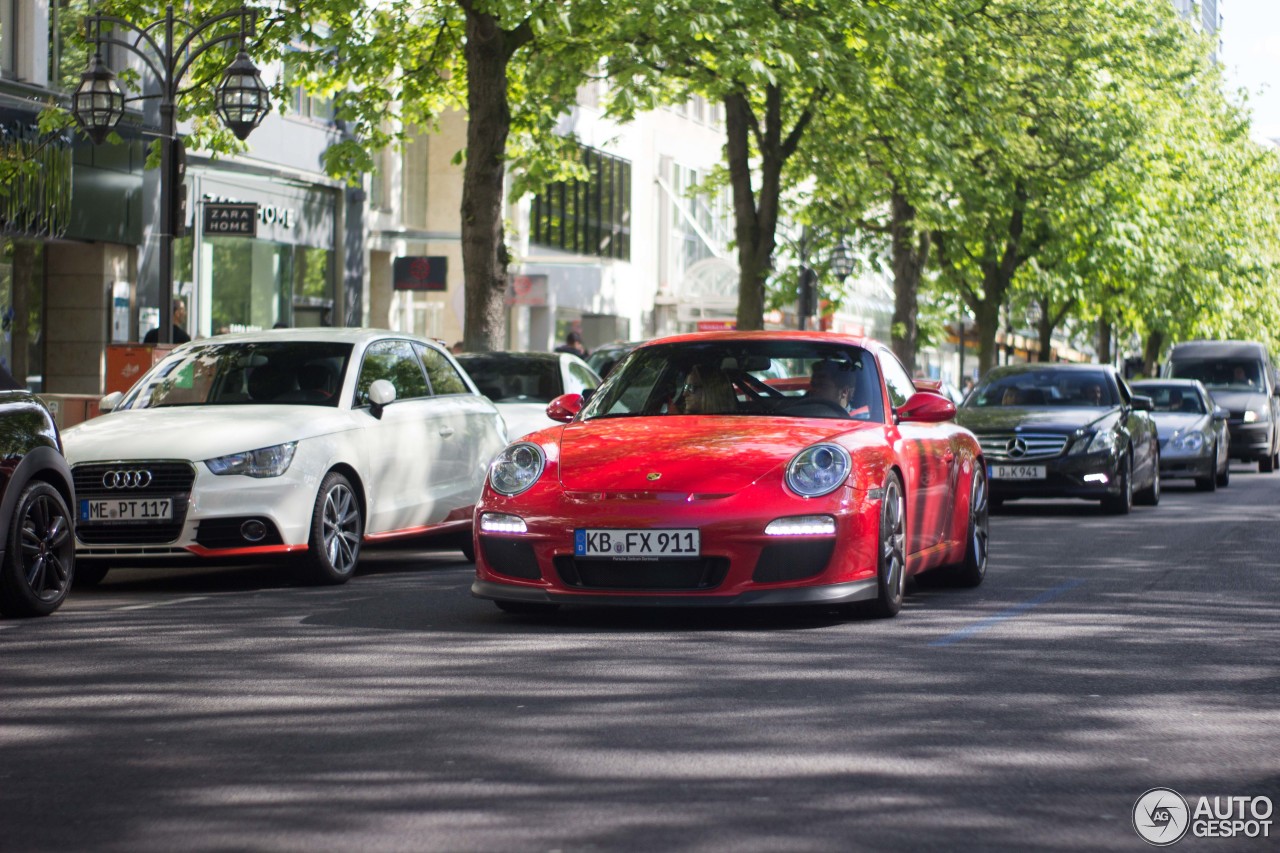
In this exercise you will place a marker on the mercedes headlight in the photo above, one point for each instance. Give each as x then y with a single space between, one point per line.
1191 442
517 468
818 470
1103 441
263 462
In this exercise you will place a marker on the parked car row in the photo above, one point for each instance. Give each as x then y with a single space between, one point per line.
719 469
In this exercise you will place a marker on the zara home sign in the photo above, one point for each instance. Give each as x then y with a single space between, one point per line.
224 219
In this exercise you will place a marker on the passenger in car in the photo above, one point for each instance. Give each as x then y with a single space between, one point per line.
706 391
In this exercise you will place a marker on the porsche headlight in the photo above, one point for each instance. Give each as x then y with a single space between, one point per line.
1189 441
263 462
517 468
818 470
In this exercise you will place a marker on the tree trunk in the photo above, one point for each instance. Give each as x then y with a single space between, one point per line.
1151 353
1104 341
910 254
986 314
1045 328
755 234
484 251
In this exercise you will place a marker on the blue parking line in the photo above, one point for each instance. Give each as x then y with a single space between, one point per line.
1005 615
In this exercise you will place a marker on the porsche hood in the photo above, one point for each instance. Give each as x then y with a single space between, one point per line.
706 455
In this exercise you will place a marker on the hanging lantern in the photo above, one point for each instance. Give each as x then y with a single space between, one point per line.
242 99
98 102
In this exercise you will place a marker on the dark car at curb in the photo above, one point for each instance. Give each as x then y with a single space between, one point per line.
1065 431
37 562
1194 438
1242 379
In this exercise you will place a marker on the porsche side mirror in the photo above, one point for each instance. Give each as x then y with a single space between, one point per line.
926 407
381 394
109 402
565 407
1143 404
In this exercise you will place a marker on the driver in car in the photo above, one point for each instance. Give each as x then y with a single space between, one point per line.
834 382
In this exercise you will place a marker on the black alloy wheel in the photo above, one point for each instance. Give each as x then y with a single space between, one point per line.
1121 502
1150 496
40 554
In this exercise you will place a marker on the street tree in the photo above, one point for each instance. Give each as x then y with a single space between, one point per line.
774 65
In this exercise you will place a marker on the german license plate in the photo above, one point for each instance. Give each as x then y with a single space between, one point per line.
1017 472
636 543
121 509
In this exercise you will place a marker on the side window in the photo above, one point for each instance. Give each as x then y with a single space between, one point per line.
896 379
441 373
580 379
395 362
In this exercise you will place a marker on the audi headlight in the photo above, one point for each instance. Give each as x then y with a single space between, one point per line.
1191 442
517 468
263 462
818 470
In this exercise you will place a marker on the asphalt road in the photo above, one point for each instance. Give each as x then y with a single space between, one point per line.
227 710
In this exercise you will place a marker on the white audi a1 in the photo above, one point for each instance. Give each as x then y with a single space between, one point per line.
297 443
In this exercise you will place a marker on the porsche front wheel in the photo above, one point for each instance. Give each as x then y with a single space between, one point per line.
336 530
974 568
891 575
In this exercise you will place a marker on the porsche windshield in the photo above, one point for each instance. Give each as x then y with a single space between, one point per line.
239 374
733 377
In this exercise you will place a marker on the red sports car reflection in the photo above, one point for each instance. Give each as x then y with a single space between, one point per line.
752 468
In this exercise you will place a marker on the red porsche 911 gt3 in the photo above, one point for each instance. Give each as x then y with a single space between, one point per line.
736 468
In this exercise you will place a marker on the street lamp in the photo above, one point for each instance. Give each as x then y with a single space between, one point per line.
839 262
241 100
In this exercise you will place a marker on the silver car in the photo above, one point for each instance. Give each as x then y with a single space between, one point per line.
1194 438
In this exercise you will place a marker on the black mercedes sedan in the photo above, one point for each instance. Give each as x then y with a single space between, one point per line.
1065 431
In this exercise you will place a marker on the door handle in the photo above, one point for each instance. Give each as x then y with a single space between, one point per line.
446 431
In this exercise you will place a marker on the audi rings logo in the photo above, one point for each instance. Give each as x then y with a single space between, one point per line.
1016 447
126 479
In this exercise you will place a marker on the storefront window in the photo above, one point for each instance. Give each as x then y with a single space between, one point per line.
22 311
256 284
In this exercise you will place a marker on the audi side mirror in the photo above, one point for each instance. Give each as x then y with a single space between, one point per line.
109 402
381 394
